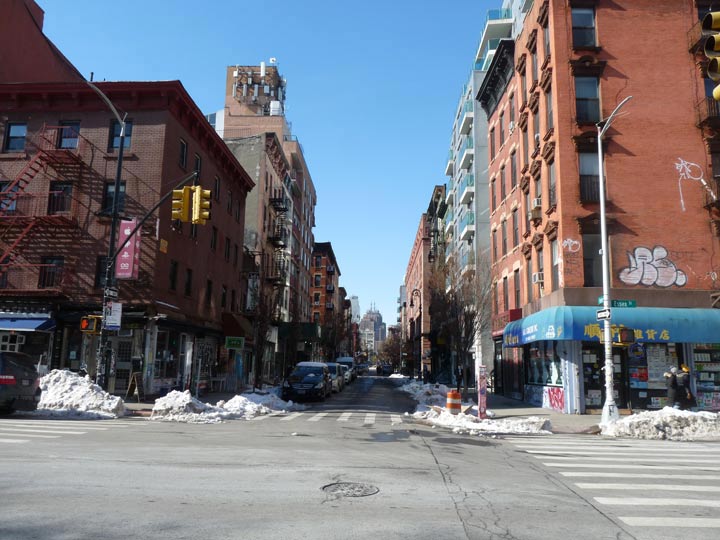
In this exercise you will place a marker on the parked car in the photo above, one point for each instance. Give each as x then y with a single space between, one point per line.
347 376
18 381
309 380
338 380
350 363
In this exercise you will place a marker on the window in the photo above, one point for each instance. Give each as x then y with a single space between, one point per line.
229 203
501 123
109 198
316 299
534 63
100 271
492 195
216 191
513 171
549 110
552 187
318 280
51 272
227 249
516 287
592 260
115 134
503 225
528 279
188 282
208 292
541 264
527 214
223 297
546 39
506 293
213 238
318 261
526 147
516 228
589 168
59 198
69 135
198 167
491 135
316 317
15 138
587 99
555 255
8 197
173 275
183 154
583 27
511 108
236 254
503 192
233 301
494 245
495 298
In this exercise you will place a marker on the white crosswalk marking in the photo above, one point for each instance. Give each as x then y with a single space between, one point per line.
344 417
14 440
317 417
682 476
292 416
24 430
395 419
369 419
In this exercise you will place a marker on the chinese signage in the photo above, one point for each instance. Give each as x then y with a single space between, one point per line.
127 263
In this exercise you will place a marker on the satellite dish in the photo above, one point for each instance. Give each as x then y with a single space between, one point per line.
273 60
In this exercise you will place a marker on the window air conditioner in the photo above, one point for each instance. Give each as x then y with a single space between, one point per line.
537 139
511 126
537 203
537 277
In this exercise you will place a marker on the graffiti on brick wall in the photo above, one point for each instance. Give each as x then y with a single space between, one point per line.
693 172
652 267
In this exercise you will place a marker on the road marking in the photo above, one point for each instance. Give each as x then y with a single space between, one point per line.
395 419
646 501
14 440
317 417
588 474
344 417
25 433
622 466
614 453
61 432
649 487
65 423
685 522
369 419
52 426
638 460
292 416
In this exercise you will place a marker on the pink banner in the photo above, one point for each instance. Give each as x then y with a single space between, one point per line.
482 392
127 259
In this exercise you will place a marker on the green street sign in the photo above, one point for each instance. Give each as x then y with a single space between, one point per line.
233 342
623 303
600 300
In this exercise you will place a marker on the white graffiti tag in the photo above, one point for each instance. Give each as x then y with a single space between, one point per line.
652 268
691 171
572 245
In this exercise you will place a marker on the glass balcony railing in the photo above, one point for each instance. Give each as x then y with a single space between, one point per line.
467 181
498 14
487 54
467 220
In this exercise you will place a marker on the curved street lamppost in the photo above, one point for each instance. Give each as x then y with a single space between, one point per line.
610 410
418 326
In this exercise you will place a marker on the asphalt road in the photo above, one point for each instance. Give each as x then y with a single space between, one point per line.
353 467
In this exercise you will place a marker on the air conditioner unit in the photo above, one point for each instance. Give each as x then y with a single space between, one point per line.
537 139
538 277
511 126
537 203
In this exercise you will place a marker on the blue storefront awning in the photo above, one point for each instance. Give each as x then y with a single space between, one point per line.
26 325
579 323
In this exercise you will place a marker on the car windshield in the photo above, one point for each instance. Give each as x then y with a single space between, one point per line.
304 371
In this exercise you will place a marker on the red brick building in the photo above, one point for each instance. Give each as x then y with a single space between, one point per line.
544 92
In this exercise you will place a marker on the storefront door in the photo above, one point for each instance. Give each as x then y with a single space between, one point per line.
593 369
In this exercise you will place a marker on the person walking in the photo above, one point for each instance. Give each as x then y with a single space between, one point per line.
686 398
671 383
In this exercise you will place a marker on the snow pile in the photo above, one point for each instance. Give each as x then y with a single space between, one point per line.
426 394
396 376
183 407
668 423
465 423
65 393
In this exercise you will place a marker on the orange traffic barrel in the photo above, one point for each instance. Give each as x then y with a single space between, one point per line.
453 402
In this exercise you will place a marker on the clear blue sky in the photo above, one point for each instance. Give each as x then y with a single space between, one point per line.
372 91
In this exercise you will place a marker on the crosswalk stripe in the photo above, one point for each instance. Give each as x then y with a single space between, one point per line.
96 424
25 433
344 417
369 418
639 459
647 501
630 452
583 449
50 426
660 445
628 466
14 440
664 476
649 487
317 417
292 416
686 522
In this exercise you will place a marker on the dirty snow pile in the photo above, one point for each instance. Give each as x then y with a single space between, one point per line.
65 393
426 394
183 407
667 423
471 424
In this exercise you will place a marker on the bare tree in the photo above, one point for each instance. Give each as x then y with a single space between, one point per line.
390 351
334 332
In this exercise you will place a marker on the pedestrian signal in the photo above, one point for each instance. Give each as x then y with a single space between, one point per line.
90 324
201 205
181 203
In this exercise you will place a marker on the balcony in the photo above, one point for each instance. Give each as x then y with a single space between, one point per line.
467 153
279 201
467 188
450 165
450 193
467 262
448 252
467 226
467 115
278 236
449 220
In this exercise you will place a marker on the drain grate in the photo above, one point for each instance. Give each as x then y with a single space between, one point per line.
350 489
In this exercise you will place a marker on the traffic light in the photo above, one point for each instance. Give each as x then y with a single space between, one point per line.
90 324
711 28
201 205
181 203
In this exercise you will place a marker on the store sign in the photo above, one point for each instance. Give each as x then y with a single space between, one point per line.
127 263
234 342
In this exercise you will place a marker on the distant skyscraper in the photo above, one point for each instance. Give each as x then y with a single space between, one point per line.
355 309
372 321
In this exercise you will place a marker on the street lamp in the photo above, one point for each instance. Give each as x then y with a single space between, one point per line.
610 411
110 265
418 325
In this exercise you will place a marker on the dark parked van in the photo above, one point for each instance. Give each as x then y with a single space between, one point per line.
18 381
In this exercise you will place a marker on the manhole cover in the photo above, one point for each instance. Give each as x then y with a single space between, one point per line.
350 489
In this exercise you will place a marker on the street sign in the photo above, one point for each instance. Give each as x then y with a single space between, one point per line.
234 342
623 303
601 299
111 292
603 314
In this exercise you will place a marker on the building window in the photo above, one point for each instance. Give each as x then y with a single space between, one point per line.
233 301
534 63
501 123
589 168
516 228
583 27
173 275
592 260
198 167
513 171
213 238
549 110
528 280
108 199
15 139
188 282
503 225
183 154
494 245
506 293
491 136
59 197
546 39
516 287
8 199
496 309
503 192
552 187
69 135
208 292
555 255
216 192
318 261
541 266
511 109
587 99
51 272
227 249
115 134
316 317
100 271
223 297
236 254
229 203
318 280
492 195
526 147
527 213
316 299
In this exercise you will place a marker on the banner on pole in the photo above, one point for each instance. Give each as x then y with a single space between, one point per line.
482 392
127 262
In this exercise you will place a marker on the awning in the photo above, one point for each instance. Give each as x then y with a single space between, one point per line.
26 324
579 323
237 325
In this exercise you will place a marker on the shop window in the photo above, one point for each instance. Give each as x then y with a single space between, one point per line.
543 366
11 342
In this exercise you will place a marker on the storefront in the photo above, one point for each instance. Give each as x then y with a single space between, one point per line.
564 360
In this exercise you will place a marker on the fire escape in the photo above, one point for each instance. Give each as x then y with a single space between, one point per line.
44 216
279 237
